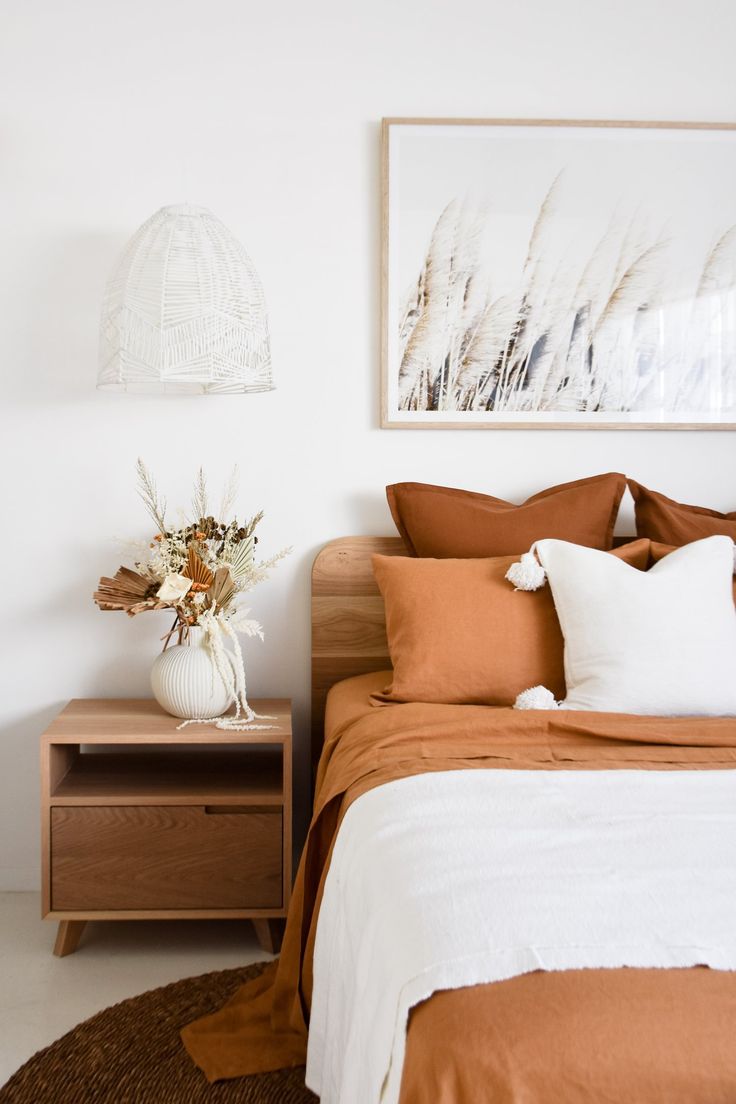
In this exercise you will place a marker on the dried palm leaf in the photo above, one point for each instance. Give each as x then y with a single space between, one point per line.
241 558
128 590
222 589
197 571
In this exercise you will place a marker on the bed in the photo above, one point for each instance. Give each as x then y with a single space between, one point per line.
563 1026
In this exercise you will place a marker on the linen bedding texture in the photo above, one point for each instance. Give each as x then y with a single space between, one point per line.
661 641
577 1037
264 1026
458 633
658 551
461 878
665 521
445 522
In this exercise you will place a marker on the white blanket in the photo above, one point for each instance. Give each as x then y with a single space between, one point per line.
451 879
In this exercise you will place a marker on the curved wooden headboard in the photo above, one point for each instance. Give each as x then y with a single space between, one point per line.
348 621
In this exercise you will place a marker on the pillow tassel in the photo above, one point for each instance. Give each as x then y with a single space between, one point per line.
528 573
538 697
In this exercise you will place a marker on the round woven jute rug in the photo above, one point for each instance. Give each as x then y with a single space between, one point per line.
132 1054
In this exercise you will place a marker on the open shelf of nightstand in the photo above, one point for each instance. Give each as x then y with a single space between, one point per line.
176 778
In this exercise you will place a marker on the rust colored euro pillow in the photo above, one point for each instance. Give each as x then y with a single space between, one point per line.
459 634
443 522
665 521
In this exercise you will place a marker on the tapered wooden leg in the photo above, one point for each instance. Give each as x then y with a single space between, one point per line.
68 936
269 934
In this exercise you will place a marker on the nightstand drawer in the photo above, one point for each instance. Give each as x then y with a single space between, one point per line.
166 857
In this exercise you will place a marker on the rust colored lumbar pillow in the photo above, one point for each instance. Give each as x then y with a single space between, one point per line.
458 634
661 519
445 522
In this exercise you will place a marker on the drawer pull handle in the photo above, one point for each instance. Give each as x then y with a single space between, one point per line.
230 810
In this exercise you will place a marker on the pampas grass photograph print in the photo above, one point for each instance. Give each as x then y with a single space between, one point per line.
559 275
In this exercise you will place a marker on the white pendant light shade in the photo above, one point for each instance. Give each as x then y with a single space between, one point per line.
184 311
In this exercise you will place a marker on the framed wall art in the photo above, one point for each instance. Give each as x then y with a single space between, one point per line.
559 274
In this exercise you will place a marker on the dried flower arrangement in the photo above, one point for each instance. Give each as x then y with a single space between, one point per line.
199 571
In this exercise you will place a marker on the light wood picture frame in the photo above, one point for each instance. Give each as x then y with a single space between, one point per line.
559 274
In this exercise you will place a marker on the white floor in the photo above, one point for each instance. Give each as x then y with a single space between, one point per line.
41 996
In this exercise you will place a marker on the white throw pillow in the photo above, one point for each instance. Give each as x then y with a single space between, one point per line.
659 642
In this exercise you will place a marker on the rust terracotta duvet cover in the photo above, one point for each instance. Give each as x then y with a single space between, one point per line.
642 1035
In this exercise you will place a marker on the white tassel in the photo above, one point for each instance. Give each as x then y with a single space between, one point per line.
231 670
538 697
528 573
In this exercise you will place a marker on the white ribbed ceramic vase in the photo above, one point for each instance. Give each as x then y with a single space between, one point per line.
185 681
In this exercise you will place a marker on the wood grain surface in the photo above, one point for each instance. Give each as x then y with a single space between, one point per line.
187 824
348 619
143 721
224 778
68 936
122 857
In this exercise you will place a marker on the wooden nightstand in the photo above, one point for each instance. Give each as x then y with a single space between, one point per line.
141 822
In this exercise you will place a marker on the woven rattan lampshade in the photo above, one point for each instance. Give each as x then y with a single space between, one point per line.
184 311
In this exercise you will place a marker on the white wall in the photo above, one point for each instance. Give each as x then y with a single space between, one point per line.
268 114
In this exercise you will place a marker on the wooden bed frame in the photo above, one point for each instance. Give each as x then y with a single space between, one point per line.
348 618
